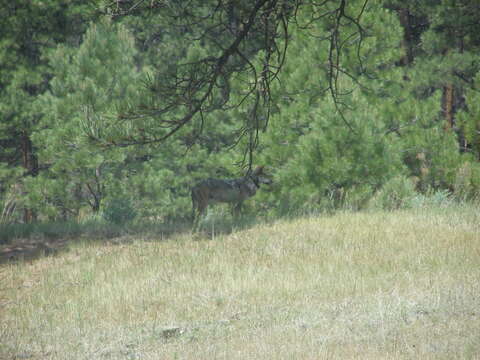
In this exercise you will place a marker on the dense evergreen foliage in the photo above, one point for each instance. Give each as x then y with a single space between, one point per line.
348 104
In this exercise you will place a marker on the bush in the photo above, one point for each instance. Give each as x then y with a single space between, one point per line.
432 198
397 193
119 211
357 197
467 182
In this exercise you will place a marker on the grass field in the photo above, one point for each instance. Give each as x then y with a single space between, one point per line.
381 285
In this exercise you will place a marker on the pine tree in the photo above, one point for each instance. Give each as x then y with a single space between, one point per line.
443 44
28 30
90 87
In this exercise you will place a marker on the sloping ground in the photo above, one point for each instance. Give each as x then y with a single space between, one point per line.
379 285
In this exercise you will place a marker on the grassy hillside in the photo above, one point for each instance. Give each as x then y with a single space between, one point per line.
403 284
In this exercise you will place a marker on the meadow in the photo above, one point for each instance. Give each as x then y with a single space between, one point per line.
368 285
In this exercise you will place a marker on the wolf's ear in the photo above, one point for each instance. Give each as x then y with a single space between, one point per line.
258 170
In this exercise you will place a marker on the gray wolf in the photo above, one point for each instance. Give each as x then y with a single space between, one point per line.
232 191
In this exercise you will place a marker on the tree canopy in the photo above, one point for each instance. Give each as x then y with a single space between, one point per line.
137 100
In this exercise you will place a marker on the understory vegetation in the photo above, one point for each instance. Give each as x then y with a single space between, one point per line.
398 194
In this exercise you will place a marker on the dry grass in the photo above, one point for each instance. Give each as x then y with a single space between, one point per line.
363 286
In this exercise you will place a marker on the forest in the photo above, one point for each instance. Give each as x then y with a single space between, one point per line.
354 123
114 109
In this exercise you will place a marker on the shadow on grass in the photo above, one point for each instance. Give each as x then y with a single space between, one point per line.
215 225
26 242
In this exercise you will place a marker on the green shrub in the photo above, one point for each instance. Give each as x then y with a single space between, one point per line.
357 197
467 182
432 198
397 193
119 211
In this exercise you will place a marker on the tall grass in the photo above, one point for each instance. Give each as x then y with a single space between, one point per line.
399 284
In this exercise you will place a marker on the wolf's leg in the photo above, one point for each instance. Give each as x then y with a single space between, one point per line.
236 210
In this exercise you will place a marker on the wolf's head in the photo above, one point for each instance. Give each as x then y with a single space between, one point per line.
259 176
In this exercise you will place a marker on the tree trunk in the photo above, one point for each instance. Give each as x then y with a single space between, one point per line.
448 106
408 39
30 163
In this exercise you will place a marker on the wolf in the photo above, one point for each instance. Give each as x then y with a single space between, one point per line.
232 191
